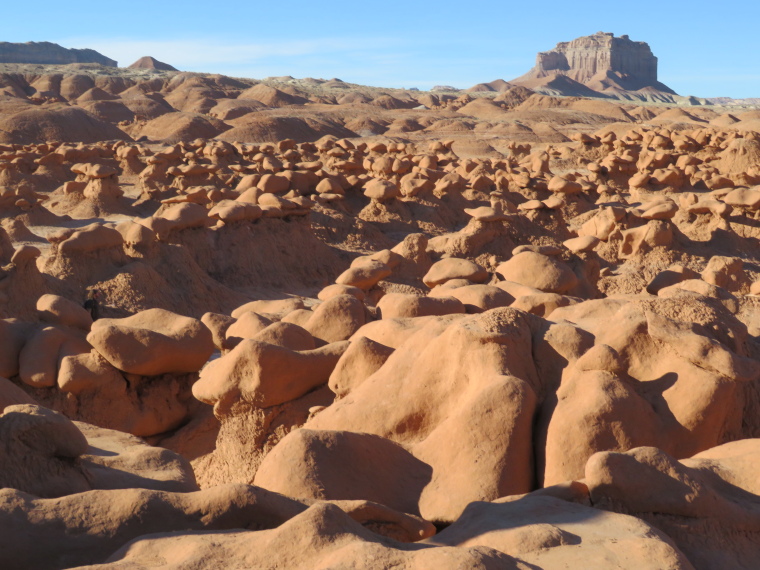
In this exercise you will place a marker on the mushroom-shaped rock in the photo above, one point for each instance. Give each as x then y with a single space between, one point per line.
265 375
554 202
153 342
336 319
485 214
390 258
709 206
583 243
748 198
663 210
381 190
88 372
102 180
329 186
233 211
564 186
91 238
178 217
61 311
454 268
540 271
364 276
136 235
24 255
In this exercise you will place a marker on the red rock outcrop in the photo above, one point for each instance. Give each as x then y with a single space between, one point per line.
600 62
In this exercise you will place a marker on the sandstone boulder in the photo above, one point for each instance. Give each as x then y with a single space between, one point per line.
547 274
62 311
265 375
153 342
348 466
454 268
400 305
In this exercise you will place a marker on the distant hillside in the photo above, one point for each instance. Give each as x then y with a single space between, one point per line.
48 53
751 102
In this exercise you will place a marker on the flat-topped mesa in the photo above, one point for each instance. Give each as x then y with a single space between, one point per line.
602 63
585 57
47 53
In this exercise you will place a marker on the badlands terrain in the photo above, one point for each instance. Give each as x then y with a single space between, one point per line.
340 326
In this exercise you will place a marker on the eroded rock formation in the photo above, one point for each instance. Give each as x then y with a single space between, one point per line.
600 62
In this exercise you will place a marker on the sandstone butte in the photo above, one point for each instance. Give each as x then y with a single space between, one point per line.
347 327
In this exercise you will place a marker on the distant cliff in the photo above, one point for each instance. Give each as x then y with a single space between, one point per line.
50 54
617 67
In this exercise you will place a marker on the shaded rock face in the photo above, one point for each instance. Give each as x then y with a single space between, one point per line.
48 53
583 58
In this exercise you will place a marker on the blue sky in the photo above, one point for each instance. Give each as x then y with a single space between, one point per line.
704 49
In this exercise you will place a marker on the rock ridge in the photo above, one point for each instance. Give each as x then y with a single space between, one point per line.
48 53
